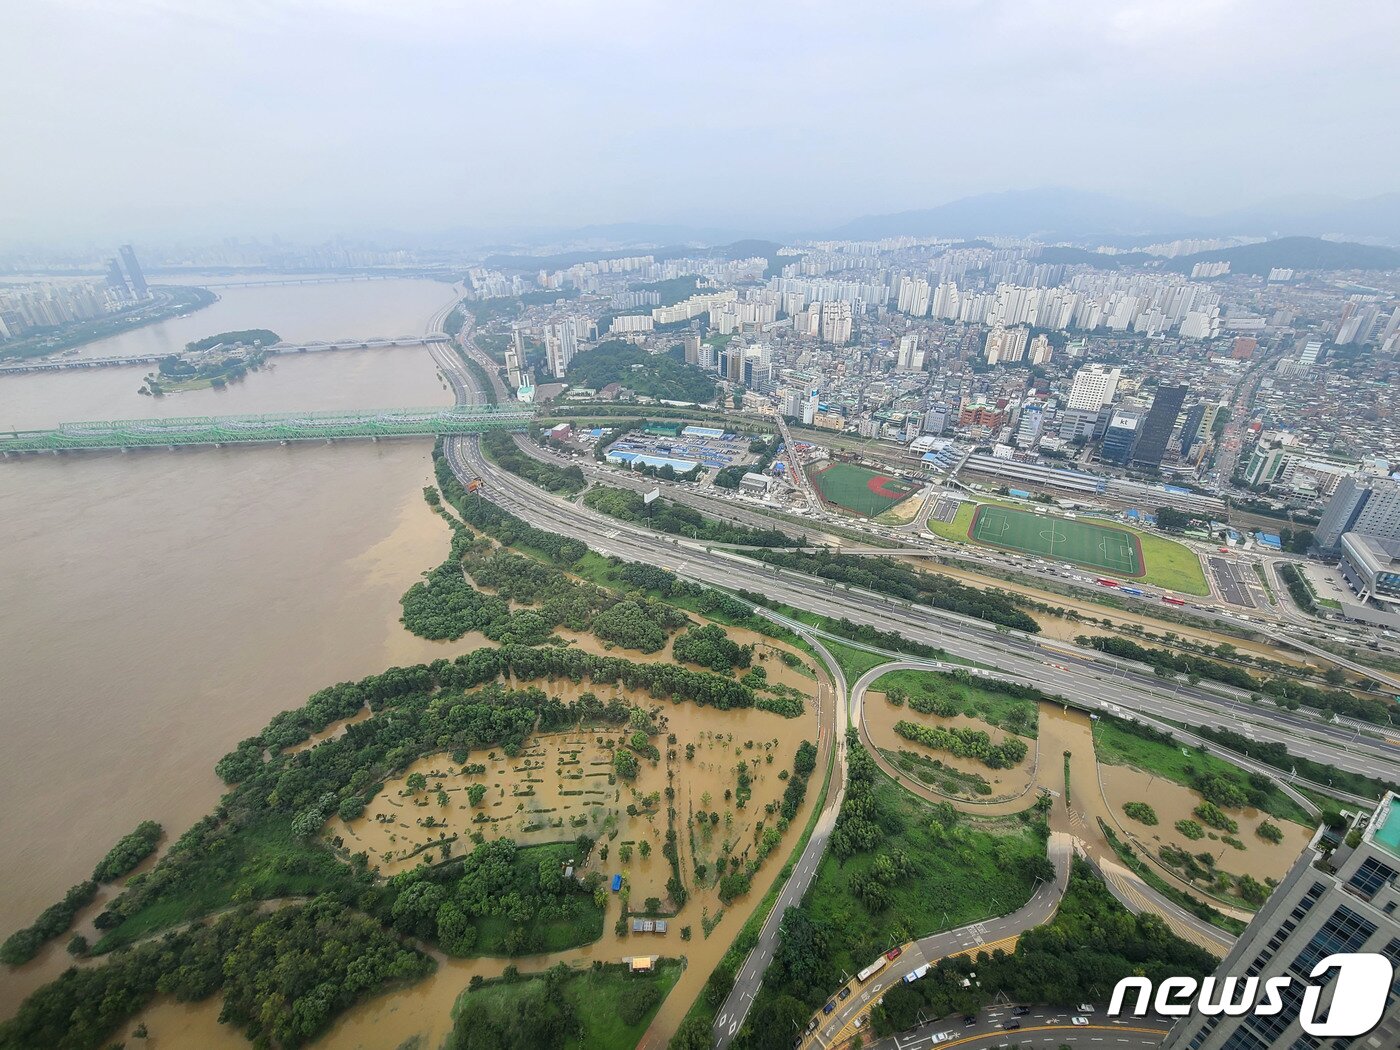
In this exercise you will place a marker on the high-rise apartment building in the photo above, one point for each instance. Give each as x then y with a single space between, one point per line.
116 280
908 351
1006 345
515 360
1041 349
836 322
134 276
1094 387
1157 427
560 345
1336 899
1364 504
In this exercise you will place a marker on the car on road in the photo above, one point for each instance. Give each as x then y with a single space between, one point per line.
1020 1011
831 1005
1086 1008
1011 1026
969 1021
893 954
1077 1021
843 994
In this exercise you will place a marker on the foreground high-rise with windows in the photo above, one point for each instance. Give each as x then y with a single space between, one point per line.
1345 900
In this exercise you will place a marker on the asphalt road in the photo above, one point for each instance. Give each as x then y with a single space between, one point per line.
750 976
1279 622
987 935
1053 666
1039 1027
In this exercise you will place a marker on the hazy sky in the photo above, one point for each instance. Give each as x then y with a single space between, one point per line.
157 118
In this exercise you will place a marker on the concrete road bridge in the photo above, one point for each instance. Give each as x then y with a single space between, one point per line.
282 428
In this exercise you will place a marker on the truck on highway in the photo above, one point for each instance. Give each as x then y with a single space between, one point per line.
914 974
871 970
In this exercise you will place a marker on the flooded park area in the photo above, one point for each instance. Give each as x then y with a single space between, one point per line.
947 773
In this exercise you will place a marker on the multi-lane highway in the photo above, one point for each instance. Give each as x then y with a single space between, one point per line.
1001 1026
1055 667
1082 675
1280 624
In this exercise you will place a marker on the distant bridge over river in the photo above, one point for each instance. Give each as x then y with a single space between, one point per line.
281 429
378 342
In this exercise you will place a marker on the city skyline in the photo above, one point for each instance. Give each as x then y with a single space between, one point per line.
332 116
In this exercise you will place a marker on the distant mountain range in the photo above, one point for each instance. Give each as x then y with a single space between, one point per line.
1296 253
1053 213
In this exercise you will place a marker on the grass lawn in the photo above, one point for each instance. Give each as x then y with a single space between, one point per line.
597 999
854 662
961 876
1117 746
860 491
998 709
1168 564
583 926
1048 536
262 862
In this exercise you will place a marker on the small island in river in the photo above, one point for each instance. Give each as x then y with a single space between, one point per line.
214 361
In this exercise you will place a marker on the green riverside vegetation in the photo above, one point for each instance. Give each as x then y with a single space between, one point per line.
1289 692
501 449
1090 944
897 868
602 1008
1127 742
283 976
1277 755
965 743
130 851
664 515
1006 705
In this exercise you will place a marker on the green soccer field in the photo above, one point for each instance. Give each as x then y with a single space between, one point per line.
1100 547
859 490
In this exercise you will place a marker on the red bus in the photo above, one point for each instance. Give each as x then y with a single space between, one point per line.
1172 601
1107 583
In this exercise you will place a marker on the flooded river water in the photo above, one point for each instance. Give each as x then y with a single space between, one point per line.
158 606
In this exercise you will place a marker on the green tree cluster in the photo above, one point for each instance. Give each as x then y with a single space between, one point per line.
667 516
501 448
1287 690
710 647
283 975
649 375
22 945
899 581
965 743
129 851
1091 944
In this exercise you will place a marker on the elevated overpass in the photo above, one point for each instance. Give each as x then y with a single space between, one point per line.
281 428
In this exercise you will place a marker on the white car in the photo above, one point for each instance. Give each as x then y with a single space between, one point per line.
1078 1021
1086 1008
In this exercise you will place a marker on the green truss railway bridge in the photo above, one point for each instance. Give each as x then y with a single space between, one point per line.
281 429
